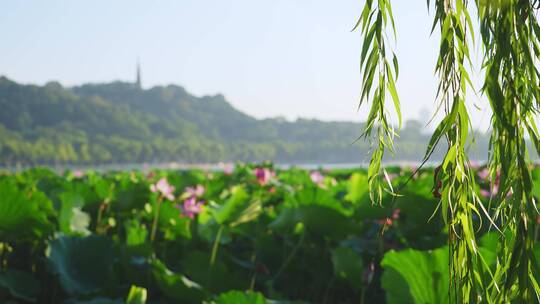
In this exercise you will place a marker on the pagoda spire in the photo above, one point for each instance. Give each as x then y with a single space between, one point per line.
138 80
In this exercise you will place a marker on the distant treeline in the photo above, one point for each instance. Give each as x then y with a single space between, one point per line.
121 123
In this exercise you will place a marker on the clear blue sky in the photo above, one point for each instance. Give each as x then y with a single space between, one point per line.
291 58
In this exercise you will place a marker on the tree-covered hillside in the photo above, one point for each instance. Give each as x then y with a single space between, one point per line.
121 123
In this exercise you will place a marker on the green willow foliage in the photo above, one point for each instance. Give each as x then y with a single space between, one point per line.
377 69
510 35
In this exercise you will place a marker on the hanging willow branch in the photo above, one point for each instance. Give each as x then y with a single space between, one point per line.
458 200
510 36
379 77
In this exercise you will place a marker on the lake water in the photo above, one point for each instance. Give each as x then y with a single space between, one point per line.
211 166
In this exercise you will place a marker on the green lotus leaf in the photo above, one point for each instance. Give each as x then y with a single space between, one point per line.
20 285
24 213
176 286
172 224
315 196
136 234
99 300
83 264
239 297
316 219
348 265
358 188
419 277
233 207
217 278
137 295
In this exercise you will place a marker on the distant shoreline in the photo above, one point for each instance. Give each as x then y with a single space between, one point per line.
210 166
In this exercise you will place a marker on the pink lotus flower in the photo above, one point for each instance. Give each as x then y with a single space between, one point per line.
263 175
78 173
196 191
495 187
484 193
483 174
228 169
396 213
392 176
387 221
474 164
164 188
191 207
316 177
494 191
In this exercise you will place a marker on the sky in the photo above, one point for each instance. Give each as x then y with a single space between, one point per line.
288 58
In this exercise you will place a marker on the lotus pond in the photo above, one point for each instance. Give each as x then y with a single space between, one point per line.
254 234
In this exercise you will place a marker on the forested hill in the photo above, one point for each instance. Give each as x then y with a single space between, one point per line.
121 123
